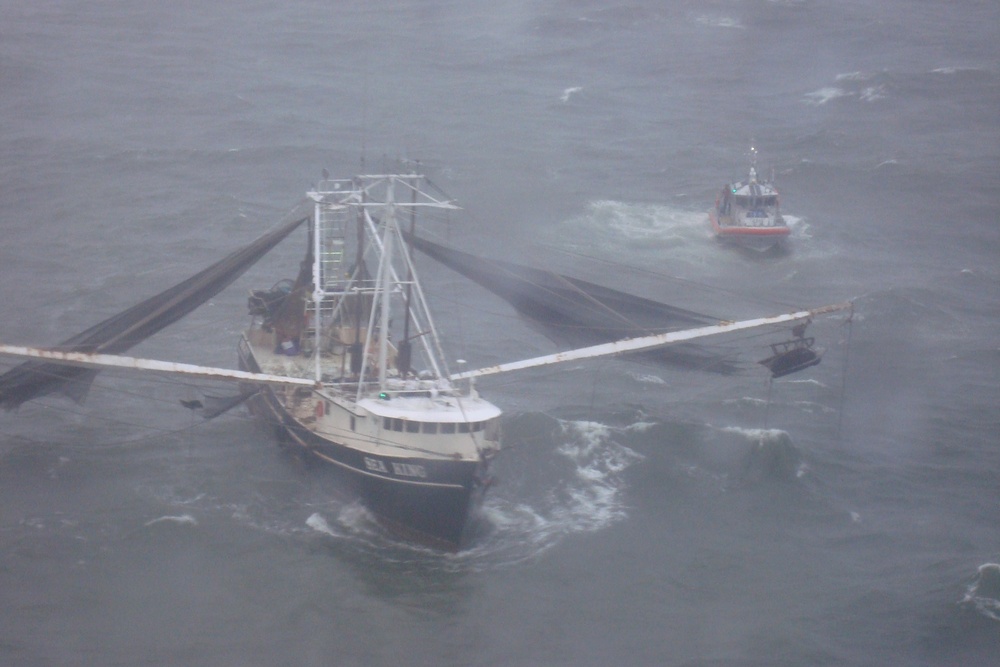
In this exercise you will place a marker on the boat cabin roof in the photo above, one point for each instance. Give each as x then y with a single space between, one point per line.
753 189
427 408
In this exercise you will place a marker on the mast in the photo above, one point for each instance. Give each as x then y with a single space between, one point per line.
405 349
327 247
384 289
359 274
375 359
317 295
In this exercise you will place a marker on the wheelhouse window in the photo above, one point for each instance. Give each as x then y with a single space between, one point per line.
412 427
429 427
447 428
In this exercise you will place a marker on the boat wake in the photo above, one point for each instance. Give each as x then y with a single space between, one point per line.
536 511
351 520
658 232
566 482
556 478
647 227
798 226
319 524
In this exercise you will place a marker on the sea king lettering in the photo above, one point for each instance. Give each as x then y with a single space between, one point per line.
400 469
409 470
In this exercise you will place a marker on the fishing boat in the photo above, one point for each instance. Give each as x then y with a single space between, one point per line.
748 213
415 446
344 361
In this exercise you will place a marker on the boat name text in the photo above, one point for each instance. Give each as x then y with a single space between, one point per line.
409 470
401 469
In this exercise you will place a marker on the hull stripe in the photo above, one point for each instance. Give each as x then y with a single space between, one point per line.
312 450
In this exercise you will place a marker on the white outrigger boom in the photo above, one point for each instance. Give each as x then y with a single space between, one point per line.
648 342
603 350
135 363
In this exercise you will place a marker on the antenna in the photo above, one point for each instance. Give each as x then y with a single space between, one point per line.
364 119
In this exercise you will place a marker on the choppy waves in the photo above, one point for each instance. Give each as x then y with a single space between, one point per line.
772 456
983 594
864 86
941 83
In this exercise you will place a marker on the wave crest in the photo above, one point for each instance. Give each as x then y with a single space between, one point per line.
983 594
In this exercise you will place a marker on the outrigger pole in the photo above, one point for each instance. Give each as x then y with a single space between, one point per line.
647 342
135 363
603 350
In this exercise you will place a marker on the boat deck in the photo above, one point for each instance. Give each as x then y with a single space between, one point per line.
263 345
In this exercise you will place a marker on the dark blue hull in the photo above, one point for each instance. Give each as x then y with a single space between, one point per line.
433 509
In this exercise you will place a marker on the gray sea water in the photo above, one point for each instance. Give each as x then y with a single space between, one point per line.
644 514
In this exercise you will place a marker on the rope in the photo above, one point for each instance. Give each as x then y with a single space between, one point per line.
767 406
843 379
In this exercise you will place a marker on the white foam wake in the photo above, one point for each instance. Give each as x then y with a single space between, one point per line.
588 500
319 524
353 518
578 487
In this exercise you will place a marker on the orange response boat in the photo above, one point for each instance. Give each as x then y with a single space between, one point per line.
748 213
